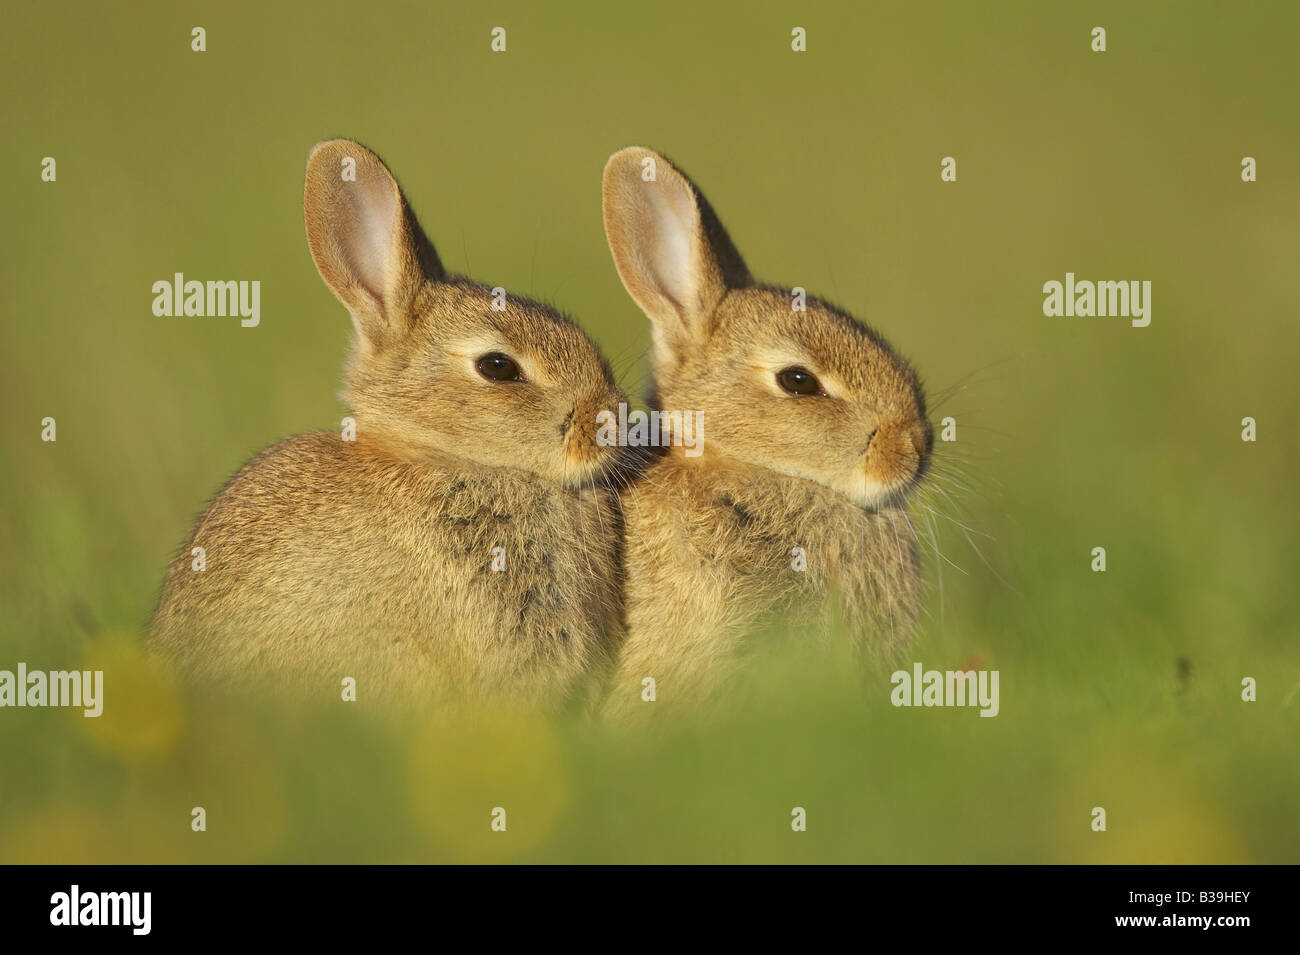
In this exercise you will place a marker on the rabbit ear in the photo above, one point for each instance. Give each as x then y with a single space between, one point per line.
671 251
365 241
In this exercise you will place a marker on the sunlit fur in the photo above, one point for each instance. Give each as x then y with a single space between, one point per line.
711 539
373 558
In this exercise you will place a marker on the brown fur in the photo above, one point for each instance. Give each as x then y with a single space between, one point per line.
373 558
710 538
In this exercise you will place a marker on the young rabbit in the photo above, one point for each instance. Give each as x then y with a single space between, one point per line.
465 543
813 430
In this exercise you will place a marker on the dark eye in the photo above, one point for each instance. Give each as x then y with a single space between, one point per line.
799 381
499 367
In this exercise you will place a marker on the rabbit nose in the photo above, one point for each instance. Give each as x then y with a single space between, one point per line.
922 438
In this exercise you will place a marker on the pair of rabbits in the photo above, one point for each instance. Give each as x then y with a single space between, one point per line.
475 538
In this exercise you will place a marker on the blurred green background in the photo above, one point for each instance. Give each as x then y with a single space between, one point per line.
1119 690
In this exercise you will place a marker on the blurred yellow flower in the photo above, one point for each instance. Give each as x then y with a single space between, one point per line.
142 715
65 834
471 773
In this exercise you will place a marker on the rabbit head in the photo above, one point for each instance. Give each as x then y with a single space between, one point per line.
443 365
813 394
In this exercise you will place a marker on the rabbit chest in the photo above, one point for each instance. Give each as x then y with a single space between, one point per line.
742 542
323 557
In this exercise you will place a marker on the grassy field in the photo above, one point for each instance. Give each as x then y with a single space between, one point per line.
1119 689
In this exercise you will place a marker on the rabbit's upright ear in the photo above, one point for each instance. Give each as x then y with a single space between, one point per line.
365 240
671 251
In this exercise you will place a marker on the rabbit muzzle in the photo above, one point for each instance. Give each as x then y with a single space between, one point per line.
897 454
584 457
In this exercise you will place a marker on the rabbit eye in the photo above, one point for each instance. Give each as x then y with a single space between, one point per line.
799 381
498 367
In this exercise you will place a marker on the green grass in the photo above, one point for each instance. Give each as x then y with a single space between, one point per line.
1073 433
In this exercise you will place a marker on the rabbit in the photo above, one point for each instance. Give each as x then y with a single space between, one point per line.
466 544
811 430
